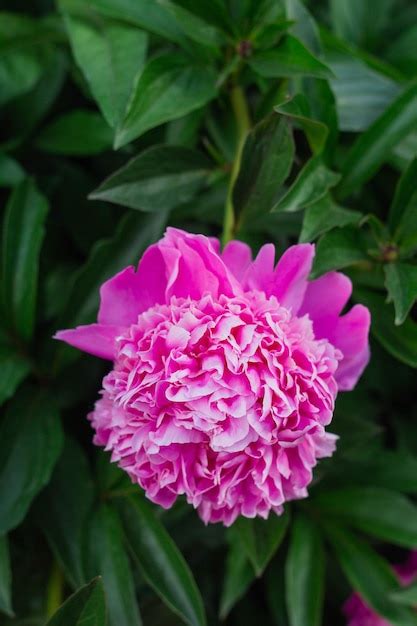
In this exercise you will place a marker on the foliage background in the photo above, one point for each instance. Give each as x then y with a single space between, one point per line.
87 86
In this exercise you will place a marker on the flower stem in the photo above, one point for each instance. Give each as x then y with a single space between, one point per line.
55 590
241 112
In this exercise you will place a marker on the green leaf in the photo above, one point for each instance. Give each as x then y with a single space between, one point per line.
22 239
86 607
111 55
297 109
401 284
30 443
357 21
290 58
305 28
325 215
260 538
109 559
63 509
77 133
311 184
382 513
194 27
5 578
407 595
169 87
266 162
14 365
400 341
369 575
239 574
160 561
21 61
11 172
135 233
159 178
213 12
304 574
371 149
339 248
405 192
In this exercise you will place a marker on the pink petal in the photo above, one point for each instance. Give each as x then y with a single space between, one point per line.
237 256
324 300
350 335
96 339
260 273
291 274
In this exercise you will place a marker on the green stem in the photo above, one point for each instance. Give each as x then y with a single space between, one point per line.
55 590
241 112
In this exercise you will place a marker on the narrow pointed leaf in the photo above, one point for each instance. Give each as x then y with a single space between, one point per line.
401 284
5 578
290 58
78 133
297 110
86 607
325 215
14 367
404 192
339 248
11 172
239 574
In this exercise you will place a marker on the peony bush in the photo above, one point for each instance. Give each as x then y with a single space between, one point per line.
208 330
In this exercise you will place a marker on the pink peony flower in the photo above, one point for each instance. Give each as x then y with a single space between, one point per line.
359 613
225 372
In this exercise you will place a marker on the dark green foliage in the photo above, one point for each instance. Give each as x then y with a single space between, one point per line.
286 120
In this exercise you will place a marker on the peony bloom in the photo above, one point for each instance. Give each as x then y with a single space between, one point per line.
225 372
360 614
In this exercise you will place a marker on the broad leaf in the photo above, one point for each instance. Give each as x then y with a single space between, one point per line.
160 561
63 509
339 248
5 578
169 87
266 162
401 284
108 559
385 514
325 215
297 109
194 26
305 28
239 574
86 607
158 179
400 341
357 21
23 233
369 575
111 55
11 172
304 574
290 58
407 595
78 133
372 148
404 193
14 367
260 538
30 443
311 184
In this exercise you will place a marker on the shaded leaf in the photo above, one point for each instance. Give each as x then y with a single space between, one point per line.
385 514
290 58
160 561
311 184
339 248
401 284
63 509
325 215
77 133
260 538
405 192
304 574
30 443
193 25
11 172
5 578
297 109
108 558
239 574
158 179
369 575
266 162
23 233
407 595
166 79
14 365
86 607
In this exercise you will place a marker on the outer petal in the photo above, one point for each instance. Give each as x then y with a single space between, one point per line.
350 335
237 256
96 339
324 300
291 274
260 273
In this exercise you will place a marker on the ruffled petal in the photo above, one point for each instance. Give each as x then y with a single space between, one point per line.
291 274
237 256
97 339
324 300
350 335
